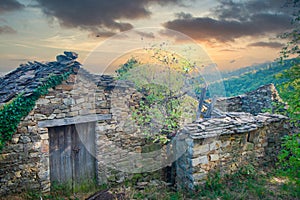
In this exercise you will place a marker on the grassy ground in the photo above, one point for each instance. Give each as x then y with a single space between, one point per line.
245 184
248 183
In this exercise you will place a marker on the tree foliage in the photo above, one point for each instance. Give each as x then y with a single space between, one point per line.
243 80
164 86
289 157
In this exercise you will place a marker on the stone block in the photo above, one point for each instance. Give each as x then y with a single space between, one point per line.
69 101
75 108
40 117
47 109
52 116
24 139
215 145
22 129
15 140
72 114
32 129
49 97
79 101
44 136
55 100
60 115
42 101
56 111
18 174
92 111
214 157
90 106
84 112
44 146
201 149
34 155
199 160
67 87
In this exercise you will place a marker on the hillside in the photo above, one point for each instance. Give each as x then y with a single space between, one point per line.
249 78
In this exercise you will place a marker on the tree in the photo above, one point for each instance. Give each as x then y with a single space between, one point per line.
290 90
289 157
167 86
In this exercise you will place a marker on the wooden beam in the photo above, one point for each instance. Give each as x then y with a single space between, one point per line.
210 108
74 120
200 101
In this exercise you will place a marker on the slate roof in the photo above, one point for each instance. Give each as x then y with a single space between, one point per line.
232 123
30 76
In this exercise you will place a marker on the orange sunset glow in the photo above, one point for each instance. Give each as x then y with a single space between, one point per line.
234 34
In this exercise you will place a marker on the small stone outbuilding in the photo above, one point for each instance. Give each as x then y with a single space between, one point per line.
72 131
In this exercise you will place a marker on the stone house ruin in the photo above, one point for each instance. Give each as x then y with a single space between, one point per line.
77 131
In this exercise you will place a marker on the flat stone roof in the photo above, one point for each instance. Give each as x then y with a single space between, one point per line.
231 123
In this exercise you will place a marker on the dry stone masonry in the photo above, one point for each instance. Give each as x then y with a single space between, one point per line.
82 98
224 143
253 102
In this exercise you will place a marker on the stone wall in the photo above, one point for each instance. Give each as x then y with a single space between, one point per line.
226 144
121 148
24 162
252 102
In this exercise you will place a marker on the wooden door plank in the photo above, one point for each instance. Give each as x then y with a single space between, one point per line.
68 154
54 156
81 136
75 150
61 144
91 164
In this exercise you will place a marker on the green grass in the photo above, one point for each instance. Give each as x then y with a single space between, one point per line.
247 183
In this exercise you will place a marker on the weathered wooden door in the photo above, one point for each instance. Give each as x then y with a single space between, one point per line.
71 153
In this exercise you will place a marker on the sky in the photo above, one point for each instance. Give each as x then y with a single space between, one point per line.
233 33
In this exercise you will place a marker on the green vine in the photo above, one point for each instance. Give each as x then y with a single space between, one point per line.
12 112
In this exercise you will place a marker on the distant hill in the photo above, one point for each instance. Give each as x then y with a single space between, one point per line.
249 78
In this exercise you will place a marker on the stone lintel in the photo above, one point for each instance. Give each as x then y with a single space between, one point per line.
73 120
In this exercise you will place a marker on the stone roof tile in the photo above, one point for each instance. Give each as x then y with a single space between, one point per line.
28 77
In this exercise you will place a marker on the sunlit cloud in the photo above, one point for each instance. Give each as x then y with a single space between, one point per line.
234 19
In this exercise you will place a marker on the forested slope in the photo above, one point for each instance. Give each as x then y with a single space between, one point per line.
249 78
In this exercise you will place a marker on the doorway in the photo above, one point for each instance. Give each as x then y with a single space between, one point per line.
71 154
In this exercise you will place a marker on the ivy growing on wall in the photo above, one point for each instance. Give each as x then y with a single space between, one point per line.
12 112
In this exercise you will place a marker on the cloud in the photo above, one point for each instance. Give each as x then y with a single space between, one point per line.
228 50
99 16
10 5
274 45
145 34
231 20
183 15
7 30
245 10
